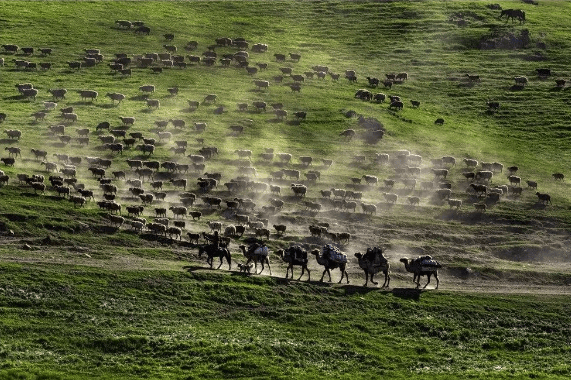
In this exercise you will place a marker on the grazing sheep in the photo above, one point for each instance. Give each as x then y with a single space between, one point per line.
153 103
532 184
390 197
455 203
370 179
514 180
440 173
147 88
479 189
305 160
443 194
13 151
480 206
520 80
558 176
439 121
484 175
299 190
8 161
470 162
369 208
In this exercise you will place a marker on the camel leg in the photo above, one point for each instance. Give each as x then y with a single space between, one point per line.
346 276
270 268
287 271
301 275
229 259
366 278
308 273
221 262
387 279
376 283
437 281
427 282
323 275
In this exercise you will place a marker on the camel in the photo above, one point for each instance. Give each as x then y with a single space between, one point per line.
330 264
374 262
212 252
422 266
289 256
251 255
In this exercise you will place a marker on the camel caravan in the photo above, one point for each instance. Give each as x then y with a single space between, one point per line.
330 257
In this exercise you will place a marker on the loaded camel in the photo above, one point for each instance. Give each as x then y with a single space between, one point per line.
422 266
295 256
374 262
328 263
257 253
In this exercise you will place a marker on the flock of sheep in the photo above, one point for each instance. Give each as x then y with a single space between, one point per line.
249 198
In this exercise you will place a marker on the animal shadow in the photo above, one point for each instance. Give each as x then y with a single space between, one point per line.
407 293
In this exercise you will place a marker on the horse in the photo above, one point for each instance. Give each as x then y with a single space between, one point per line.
513 13
212 251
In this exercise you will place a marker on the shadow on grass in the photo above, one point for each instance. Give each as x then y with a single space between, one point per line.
407 293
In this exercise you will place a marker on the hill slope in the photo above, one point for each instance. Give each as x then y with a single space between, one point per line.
517 245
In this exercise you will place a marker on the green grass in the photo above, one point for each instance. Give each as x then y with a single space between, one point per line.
165 324
96 302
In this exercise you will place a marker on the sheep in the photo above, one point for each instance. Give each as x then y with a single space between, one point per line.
179 183
370 179
299 190
497 167
164 135
70 116
77 200
210 98
62 190
8 161
215 226
153 103
369 208
306 160
455 203
284 157
115 96
480 206
397 104
520 80
513 169
484 175
13 150
146 148
409 183
531 184
470 163
479 189
178 211
147 88
348 134
558 176
390 197
50 166
413 201
440 173
116 147
443 194
514 180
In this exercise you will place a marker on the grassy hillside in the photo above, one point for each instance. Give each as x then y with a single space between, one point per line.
83 298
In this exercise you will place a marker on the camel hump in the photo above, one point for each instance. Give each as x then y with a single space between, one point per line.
262 251
333 253
430 264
